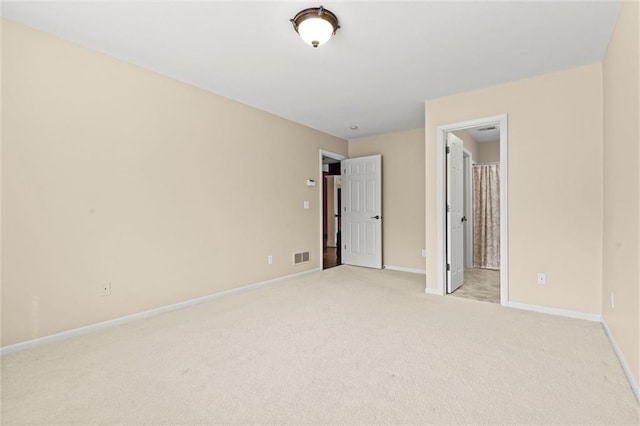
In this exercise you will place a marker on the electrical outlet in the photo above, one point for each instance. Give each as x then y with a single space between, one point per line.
613 299
424 253
105 289
270 260
542 278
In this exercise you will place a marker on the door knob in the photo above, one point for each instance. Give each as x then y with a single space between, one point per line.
464 219
375 217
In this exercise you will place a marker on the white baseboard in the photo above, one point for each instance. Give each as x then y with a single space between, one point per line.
433 291
140 315
403 269
623 362
555 311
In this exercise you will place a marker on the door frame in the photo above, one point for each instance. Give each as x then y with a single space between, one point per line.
502 121
335 156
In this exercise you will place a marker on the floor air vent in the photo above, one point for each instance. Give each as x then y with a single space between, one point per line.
302 257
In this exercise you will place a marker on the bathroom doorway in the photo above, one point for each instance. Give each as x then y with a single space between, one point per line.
473 221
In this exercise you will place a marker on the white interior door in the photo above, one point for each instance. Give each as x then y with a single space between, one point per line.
467 225
362 211
455 213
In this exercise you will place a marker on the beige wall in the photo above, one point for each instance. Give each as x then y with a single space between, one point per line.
112 173
488 152
468 142
403 194
621 272
1 172
555 183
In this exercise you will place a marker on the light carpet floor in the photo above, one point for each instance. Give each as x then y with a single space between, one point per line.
344 346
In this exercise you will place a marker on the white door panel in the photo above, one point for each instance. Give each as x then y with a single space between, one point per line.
362 211
455 230
468 210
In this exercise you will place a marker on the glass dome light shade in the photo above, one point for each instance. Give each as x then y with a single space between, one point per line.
315 31
315 25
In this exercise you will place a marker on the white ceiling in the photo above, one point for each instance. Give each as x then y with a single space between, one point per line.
376 73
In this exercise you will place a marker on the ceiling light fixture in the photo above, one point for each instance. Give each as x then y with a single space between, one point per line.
315 25
354 127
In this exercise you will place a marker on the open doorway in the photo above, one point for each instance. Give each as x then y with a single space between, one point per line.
472 231
331 206
331 194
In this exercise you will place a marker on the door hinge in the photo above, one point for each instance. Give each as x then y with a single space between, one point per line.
448 150
448 208
448 266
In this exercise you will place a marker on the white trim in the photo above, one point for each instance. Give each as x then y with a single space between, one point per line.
627 371
433 291
403 269
441 215
556 311
441 269
140 315
335 156
504 211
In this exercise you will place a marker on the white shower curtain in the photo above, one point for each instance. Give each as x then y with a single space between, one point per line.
486 216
